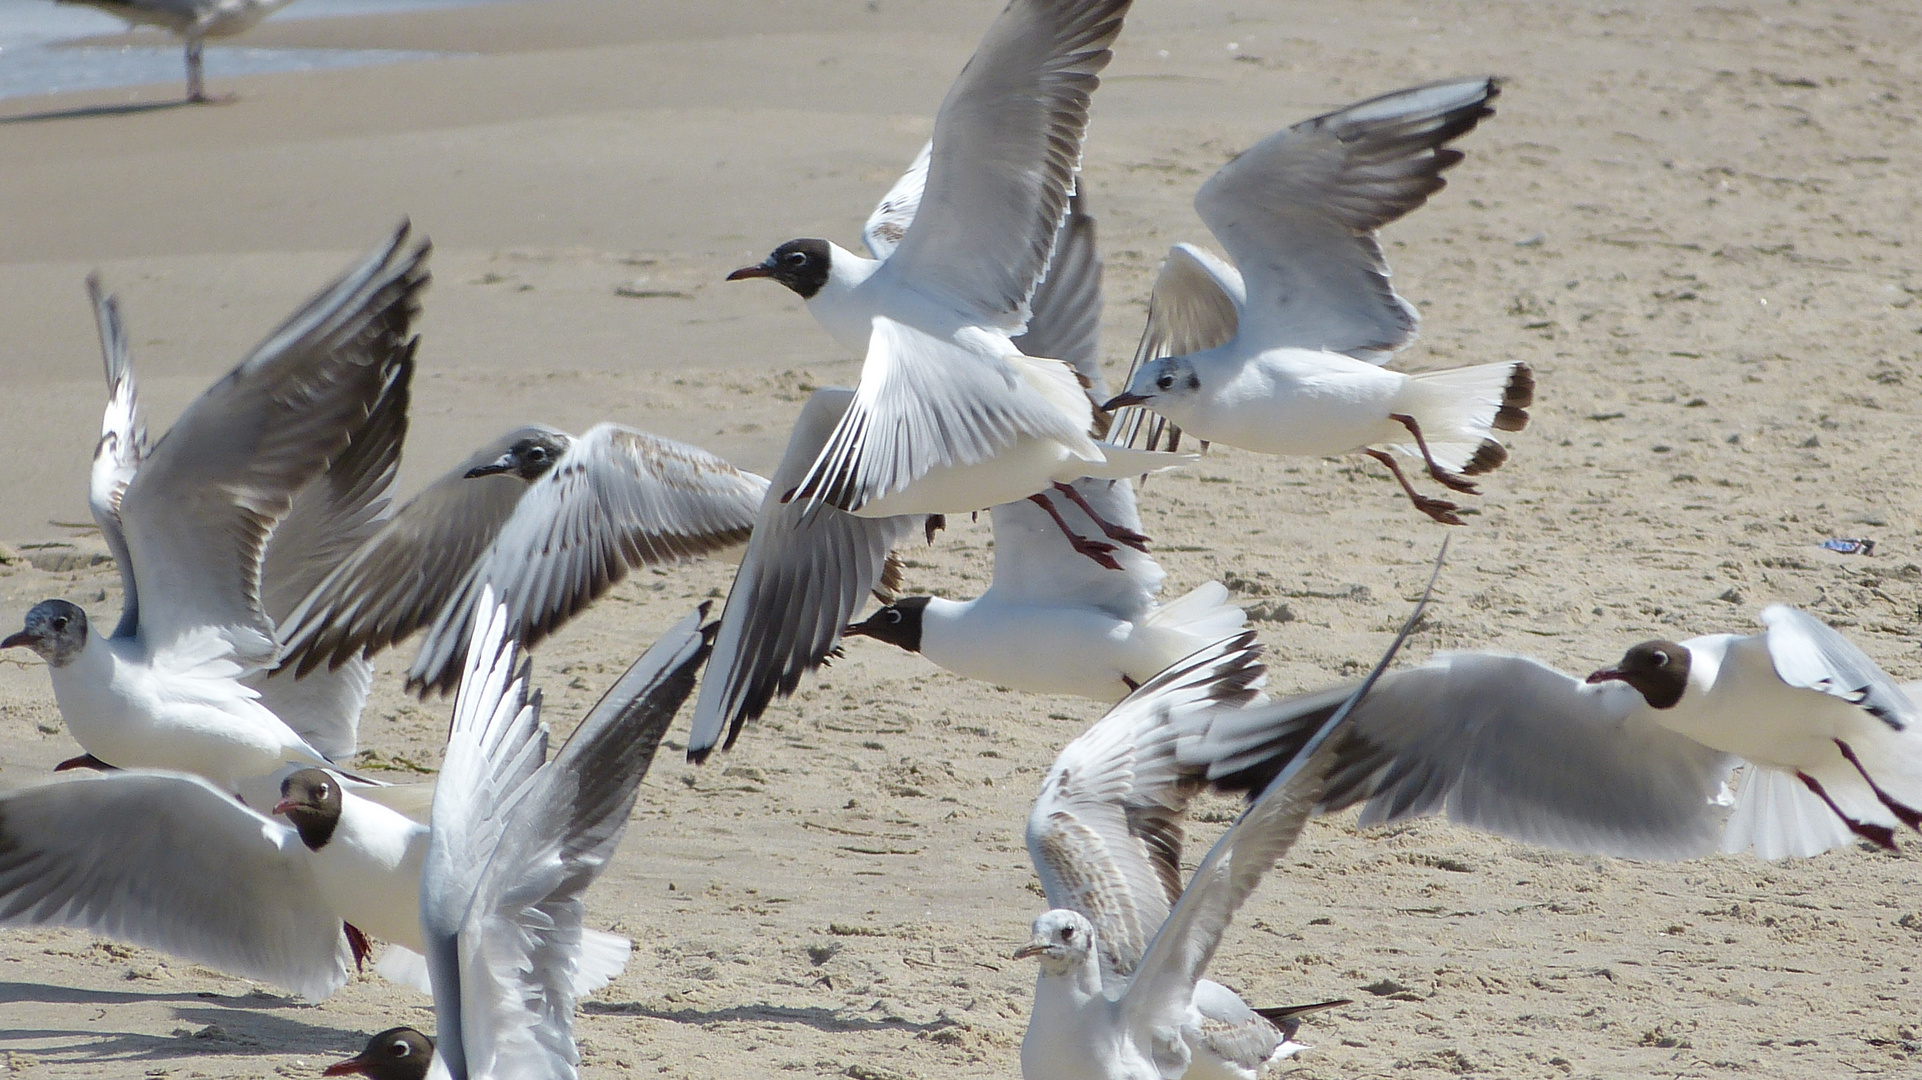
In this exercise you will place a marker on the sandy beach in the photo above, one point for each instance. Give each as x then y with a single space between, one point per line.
1698 225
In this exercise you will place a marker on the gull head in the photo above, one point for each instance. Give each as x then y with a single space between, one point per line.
310 799
897 624
395 1054
529 459
1063 940
55 629
1656 669
801 265
1169 383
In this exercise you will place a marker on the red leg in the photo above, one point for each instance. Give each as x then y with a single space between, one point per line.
1905 814
84 761
1442 476
357 941
1439 509
1093 549
1109 529
1880 835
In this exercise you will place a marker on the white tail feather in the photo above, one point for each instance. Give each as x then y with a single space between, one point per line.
1456 409
1780 818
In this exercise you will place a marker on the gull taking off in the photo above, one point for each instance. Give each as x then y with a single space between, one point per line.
1279 353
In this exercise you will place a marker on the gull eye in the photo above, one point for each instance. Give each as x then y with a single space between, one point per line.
537 453
894 617
1067 933
323 791
1165 382
400 1049
796 258
59 622
1660 658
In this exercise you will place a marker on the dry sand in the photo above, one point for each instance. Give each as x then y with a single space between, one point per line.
1698 223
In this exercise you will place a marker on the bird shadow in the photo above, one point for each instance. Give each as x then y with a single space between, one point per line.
818 1019
85 111
210 1025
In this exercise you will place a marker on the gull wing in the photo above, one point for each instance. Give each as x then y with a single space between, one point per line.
1105 832
1810 654
402 577
1066 323
1298 213
168 861
806 572
617 500
925 402
892 216
199 512
1195 306
122 446
1007 144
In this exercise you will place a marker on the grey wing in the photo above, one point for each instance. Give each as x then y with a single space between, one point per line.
1007 143
1233 1031
1195 306
925 402
1105 832
1810 654
199 512
122 446
1510 746
1034 562
1066 323
400 579
167 861
806 572
1298 213
521 942
617 500
175 15
895 212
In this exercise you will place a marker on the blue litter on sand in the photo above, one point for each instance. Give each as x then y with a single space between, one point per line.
1850 546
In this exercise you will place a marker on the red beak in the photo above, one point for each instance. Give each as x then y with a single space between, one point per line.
16 641
282 807
757 270
350 1067
1607 674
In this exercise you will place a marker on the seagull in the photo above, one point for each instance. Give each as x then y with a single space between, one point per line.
163 690
950 415
551 521
517 840
807 568
1282 355
1120 994
193 20
1053 622
1637 760
329 517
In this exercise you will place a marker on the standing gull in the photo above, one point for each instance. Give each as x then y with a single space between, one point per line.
950 416
1279 353
550 521
164 691
193 20
1636 761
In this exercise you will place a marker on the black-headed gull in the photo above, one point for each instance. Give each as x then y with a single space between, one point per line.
193 20
809 568
1636 761
1120 995
950 416
551 521
399 1053
518 839
1280 352
1053 622
164 690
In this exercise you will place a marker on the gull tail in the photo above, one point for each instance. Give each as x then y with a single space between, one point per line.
1199 617
1459 411
1126 463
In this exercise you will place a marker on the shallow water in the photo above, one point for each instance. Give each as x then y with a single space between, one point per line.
34 61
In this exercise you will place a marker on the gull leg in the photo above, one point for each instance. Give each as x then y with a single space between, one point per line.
934 524
196 93
1442 476
1439 509
1906 815
357 941
85 761
1108 529
1880 835
1093 549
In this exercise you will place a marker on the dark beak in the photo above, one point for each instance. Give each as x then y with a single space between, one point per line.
1607 674
504 463
859 629
1120 400
282 807
759 269
21 640
351 1066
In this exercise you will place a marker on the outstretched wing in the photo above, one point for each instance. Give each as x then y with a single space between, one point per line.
1298 213
122 446
806 572
1195 306
896 210
1105 832
1007 143
1810 654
